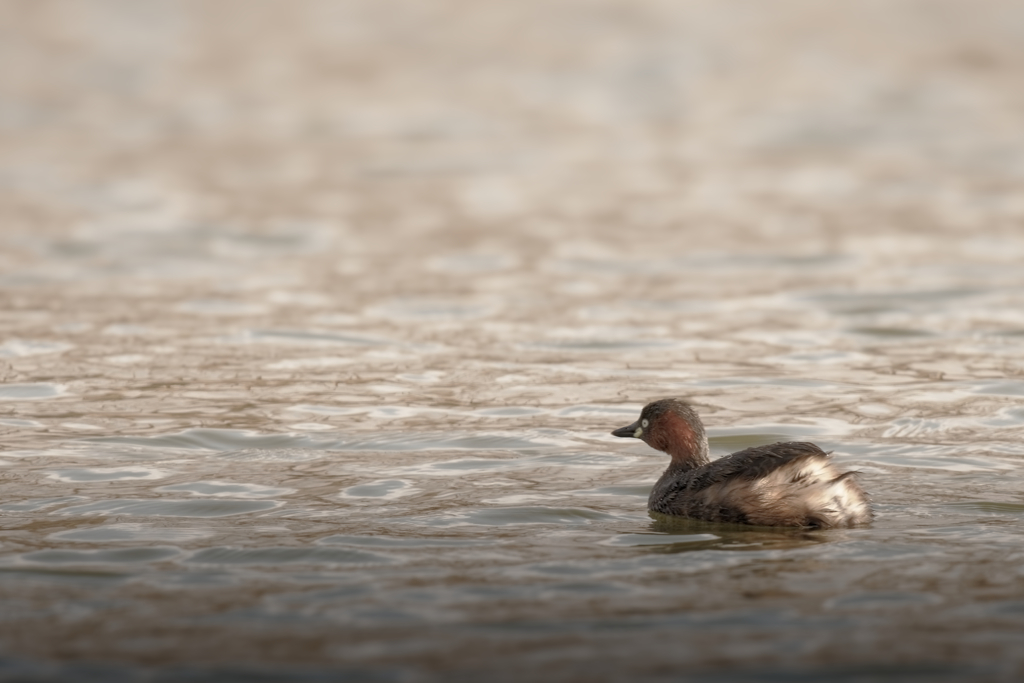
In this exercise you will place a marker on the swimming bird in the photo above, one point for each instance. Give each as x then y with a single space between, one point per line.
784 484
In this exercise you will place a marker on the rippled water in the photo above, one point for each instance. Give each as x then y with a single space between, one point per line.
312 378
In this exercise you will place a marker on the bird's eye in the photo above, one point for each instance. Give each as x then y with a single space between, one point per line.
644 423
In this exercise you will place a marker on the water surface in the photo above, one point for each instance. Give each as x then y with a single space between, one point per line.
315 322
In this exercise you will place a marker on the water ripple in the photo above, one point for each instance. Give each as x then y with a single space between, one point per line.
522 515
235 440
160 507
30 392
282 555
118 556
226 489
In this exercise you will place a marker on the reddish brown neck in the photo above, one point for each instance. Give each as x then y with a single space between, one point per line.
674 435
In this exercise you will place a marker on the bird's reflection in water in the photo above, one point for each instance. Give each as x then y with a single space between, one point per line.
736 537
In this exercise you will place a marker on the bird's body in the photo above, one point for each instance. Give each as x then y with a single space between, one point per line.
783 484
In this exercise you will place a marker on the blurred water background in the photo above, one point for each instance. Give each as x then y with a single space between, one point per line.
316 316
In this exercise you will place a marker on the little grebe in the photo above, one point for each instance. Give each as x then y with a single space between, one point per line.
784 484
